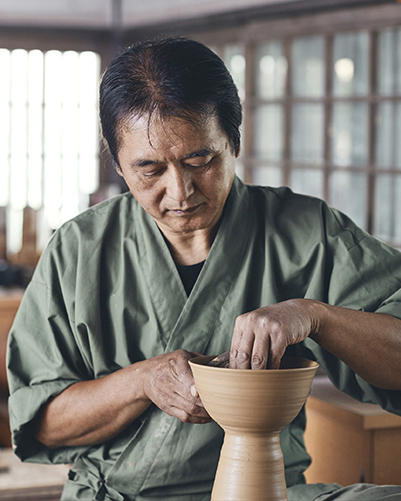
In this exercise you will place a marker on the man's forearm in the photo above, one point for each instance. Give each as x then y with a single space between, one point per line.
90 412
369 343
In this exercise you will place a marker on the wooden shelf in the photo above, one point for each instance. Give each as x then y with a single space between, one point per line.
28 481
10 300
349 441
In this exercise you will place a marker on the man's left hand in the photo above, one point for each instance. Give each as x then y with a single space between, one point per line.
261 336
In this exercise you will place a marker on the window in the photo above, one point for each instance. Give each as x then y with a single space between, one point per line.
323 116
234 56
387 145
49 140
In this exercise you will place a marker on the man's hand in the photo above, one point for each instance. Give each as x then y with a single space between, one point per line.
168 383
261 336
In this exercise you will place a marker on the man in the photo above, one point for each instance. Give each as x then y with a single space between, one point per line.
189 261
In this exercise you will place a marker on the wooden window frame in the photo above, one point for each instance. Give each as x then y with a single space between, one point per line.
371 19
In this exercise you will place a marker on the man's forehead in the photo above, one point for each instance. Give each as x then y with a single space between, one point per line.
172 133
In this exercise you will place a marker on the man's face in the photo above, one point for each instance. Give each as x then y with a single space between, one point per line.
180 174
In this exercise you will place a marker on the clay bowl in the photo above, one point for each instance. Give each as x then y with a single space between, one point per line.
252 407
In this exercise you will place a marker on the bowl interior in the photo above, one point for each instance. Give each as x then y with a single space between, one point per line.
286 363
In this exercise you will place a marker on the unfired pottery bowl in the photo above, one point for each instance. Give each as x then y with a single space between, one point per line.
252 406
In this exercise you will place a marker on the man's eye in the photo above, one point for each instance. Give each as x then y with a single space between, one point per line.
153 173
202 162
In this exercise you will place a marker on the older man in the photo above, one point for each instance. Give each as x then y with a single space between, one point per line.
191 260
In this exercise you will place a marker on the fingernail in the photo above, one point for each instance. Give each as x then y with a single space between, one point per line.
194 391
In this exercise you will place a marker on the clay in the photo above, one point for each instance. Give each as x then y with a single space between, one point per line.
222 360
252 406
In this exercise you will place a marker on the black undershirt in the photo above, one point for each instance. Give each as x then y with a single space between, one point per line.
189 275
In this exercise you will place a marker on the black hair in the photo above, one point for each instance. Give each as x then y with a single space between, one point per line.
172 78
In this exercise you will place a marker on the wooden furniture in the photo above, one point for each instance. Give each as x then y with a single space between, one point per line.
348 441
9 302
28 481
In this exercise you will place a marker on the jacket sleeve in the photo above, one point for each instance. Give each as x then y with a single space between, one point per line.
363 273
43 359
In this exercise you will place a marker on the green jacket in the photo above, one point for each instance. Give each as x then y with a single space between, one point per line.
106 294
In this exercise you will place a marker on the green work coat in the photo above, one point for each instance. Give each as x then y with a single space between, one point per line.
106 294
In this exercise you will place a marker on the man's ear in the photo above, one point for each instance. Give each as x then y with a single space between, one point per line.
118 168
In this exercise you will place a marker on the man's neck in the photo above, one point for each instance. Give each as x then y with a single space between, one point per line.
192 248
189 251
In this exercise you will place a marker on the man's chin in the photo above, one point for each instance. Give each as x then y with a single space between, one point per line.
183 225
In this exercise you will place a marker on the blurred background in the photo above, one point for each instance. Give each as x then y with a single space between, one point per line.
320 81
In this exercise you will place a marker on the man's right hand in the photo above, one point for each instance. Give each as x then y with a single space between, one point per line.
168 382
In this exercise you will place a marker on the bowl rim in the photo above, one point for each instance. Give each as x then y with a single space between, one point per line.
196 361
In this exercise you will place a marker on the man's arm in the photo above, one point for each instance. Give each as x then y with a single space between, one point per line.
369 343
90 412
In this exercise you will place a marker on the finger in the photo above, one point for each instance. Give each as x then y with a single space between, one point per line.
260 352
187 414
241 351
186 388
222 360
235 342
171 401
177 406
188 418
190 410
276 353
186 384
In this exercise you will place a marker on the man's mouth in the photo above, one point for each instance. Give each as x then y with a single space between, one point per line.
186 211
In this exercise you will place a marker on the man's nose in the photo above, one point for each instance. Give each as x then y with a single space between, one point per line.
180 184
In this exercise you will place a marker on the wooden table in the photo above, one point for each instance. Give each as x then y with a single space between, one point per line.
349 441
9 302
28 481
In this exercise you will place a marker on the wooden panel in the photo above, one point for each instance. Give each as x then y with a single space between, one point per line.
379 421
9 304
339 447
346 438
387 457
30 481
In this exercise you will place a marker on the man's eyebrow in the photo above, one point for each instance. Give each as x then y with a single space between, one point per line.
203 152
144 163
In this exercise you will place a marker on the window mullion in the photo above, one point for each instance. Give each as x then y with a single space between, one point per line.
249 112
371 132
328 114
287 116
